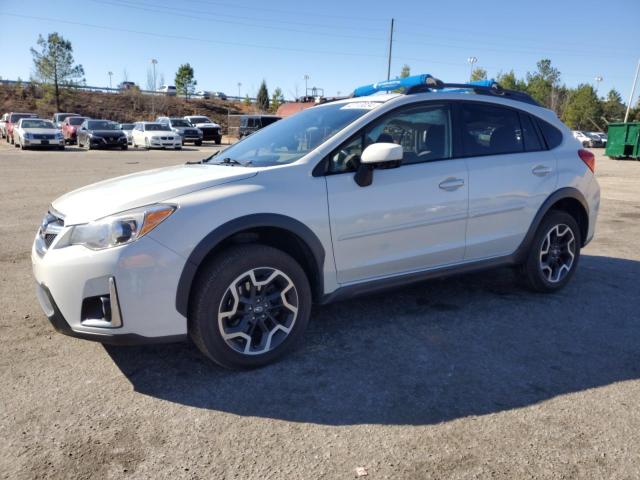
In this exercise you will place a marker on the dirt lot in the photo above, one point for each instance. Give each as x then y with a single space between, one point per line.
469 377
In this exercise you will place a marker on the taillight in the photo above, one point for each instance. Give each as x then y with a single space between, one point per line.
588 158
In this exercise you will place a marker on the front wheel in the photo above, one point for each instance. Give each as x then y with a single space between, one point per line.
554 253
251 305
198 143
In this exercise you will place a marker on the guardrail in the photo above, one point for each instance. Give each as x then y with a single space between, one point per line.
88 88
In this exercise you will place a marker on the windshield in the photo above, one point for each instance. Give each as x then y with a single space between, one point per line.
101 125
62 116
37 124
180 123
76 120
200 120
126 126
288 140
156 126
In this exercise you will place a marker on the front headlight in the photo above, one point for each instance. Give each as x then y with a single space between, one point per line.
121 228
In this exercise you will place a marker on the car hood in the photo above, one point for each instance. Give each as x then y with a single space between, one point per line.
41 131
144 188
107 133
206 125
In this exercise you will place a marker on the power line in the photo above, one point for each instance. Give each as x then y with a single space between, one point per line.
179 13
215 17
188 38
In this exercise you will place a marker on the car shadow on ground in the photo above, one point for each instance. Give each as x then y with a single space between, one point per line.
424 354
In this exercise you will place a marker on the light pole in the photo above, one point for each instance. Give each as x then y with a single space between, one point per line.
239 85
471 61
598 79
110 75
154 62
306 79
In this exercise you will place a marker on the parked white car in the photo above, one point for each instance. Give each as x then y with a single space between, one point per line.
582 137
155 135
210 130
3 125
169 90
341 199
36 132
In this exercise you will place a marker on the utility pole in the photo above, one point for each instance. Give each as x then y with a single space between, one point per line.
306 80
110 75
633 91
154 62
390 49
239 85
471 61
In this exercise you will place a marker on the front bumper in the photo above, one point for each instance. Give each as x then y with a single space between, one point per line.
57 142
101 142
210 133
146 274
165 143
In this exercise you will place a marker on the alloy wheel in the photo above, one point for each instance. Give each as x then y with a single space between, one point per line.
557 253
258 311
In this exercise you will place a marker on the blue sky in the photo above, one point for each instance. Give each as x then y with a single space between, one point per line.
340 45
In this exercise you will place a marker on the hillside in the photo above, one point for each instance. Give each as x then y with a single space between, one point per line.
126 106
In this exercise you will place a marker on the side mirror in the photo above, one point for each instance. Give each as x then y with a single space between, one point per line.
377 153
385 155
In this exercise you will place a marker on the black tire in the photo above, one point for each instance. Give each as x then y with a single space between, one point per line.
198 143
532 270
124 147
211 287
218 141
61 147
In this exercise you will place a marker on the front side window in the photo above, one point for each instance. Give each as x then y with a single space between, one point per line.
490 130
424 133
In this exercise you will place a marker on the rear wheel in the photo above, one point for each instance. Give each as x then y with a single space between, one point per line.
251 305
554 253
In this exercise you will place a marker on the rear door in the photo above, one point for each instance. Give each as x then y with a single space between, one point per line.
410 218
510 175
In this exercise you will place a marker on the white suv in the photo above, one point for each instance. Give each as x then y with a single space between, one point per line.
341 199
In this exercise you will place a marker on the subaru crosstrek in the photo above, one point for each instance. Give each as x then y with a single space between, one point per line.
344 198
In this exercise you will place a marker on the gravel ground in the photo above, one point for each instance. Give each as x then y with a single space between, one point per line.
467 377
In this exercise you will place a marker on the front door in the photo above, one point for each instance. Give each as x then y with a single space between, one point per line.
410 218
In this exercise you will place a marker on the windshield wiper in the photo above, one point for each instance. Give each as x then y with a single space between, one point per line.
230 161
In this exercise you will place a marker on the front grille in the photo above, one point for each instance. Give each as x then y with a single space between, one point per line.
50 227
43 136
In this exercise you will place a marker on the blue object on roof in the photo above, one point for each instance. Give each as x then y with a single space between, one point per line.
388 85
476 83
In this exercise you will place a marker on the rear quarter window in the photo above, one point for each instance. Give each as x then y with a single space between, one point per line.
552 136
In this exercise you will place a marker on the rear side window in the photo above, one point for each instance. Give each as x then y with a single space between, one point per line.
552 136
490 130
532 142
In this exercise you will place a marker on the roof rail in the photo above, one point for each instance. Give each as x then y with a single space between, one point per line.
480 87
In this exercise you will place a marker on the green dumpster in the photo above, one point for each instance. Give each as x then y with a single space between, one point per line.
623 140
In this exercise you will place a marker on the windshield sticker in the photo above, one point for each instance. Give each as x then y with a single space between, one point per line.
360 105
